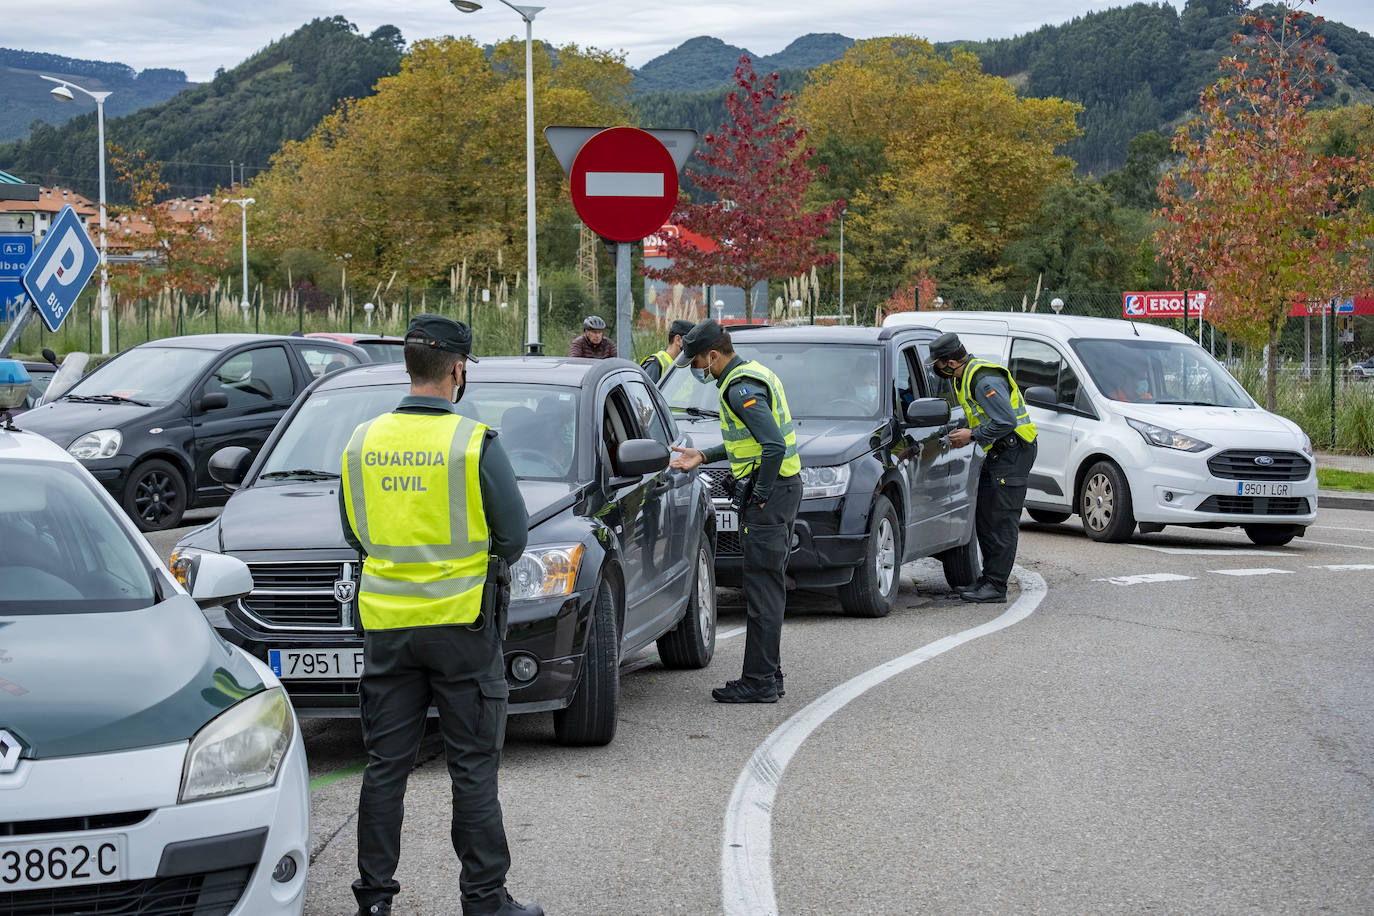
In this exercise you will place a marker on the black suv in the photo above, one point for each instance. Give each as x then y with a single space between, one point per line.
881 485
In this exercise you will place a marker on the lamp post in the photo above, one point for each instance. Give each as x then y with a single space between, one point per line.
720 309
527 13
63 93
243 203
1057 304
843 211
367 309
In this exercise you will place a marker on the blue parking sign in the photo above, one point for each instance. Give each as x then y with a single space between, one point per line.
60 268
12 298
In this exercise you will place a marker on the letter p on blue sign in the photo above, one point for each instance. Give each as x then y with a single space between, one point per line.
60 268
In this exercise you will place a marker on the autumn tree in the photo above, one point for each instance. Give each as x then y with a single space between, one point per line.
1255 210
757 169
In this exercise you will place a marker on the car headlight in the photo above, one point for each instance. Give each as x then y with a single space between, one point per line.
1307 445
826 481
241 749
1167 438
545 572
103 443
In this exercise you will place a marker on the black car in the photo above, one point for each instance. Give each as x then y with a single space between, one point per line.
146 422
620 547
881 486
40 374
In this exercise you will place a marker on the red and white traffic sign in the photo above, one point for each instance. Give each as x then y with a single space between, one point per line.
624 184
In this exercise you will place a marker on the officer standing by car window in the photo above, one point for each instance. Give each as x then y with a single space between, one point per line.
432 614
759 440
1001 426
655 365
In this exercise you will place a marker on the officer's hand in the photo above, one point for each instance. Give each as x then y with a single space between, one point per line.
687 458
960 437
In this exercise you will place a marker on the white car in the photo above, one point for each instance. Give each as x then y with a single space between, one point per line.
146 766
1138 426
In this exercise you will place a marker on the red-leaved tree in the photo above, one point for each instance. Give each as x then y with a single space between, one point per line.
758 170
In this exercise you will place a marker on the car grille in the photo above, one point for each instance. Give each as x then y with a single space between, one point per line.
1255 505
1239 464
299 596
73 824
715 483
205 894
727 543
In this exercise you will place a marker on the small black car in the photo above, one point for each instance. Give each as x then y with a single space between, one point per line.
146 422
620 548
881 486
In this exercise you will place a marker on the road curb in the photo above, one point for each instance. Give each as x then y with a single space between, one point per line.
1342 499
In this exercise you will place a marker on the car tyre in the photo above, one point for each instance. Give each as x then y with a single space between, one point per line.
963 564
155 495
1105 504
1271 535
692 643
873 589
589 720
1048 516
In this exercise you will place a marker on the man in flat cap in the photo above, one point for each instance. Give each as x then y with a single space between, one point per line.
432 602
759 440
1000 426
656 365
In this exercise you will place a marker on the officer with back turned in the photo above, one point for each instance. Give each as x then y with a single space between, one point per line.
656 364
759 440
432 601
1001 426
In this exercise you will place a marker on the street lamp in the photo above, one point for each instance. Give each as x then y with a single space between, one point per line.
1057 304
527 13
63 93
243 203
720 309
367 309
843 211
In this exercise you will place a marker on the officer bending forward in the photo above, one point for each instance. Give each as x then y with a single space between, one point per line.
431 616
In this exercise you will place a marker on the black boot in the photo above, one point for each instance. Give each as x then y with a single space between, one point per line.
962 590
987 593
739 692
777 679
377 908
509 907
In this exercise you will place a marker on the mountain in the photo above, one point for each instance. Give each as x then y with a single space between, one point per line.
706 63
27 97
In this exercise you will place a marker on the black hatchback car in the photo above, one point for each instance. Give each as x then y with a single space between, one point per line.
620 548
146 422
880 484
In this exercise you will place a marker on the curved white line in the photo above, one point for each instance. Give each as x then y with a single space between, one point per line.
746 867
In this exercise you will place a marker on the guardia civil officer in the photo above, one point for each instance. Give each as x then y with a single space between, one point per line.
432 614
759 440
999 425
654 366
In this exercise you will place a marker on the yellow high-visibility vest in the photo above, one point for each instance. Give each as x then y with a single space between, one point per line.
413 495
663 360
742 448
976 417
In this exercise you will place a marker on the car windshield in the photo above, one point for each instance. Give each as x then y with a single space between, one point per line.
1159 372
380 351
820 379
61 549
537 423
155 375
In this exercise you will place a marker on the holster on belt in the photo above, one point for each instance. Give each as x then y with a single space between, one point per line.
741 489
496 595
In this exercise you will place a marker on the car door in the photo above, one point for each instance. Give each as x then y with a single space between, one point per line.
956 470
922 459
259 386
667 513
1037 363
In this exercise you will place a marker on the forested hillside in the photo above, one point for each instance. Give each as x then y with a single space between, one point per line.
706 64
243 114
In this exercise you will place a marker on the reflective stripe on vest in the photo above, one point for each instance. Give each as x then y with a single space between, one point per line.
740 444
413 494
663 360
974 411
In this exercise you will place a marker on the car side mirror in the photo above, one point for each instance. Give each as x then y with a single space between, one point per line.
1043 397
637 457
927 412
215 400
229 465
215 579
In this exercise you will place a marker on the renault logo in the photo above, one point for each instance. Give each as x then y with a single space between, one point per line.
9 752
1263 460
344 589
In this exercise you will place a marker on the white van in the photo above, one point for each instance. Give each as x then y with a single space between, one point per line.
1138 425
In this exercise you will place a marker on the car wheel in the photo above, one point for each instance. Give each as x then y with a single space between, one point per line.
692 643
962 564
1106 504
873 589
1271 535
155 495
589 720
1047 517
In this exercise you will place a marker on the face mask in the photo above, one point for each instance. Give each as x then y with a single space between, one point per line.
945 371
460 388
702 375
866 393
1142 387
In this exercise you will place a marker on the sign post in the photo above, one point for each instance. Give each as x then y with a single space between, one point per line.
55 276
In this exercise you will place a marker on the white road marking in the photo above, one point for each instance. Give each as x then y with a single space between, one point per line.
726 634
624 184
1334 544
1339 528
1143 578
746 850
1342 567
1212 552
1262 571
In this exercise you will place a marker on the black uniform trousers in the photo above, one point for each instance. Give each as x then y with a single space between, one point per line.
1001 494
462 672
765 542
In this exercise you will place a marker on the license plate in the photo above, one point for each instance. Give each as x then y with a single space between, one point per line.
299 663
1262 488
61 863
727 521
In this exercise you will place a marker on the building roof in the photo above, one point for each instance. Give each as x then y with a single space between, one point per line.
7 178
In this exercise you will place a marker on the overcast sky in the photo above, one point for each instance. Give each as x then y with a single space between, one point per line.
200 35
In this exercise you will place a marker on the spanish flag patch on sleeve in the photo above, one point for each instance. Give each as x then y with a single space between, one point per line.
749 403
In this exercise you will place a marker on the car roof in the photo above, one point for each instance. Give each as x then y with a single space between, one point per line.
826 333
1065 327
38 367
350 337
212 341
538 370
16 443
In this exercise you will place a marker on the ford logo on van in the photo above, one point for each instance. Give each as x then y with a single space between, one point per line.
1263 460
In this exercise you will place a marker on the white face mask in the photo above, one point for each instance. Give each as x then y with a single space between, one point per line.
702 375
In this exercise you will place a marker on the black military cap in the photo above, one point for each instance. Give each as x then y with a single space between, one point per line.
442 334
680 326
946 346
698 340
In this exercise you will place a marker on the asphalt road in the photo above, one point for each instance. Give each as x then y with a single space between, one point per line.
1180 724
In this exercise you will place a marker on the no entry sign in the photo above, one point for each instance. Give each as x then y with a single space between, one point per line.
624 184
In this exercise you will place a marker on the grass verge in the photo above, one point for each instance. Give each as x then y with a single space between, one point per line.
1332 479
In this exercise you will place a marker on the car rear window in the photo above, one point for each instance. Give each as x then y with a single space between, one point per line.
820 379
61 549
